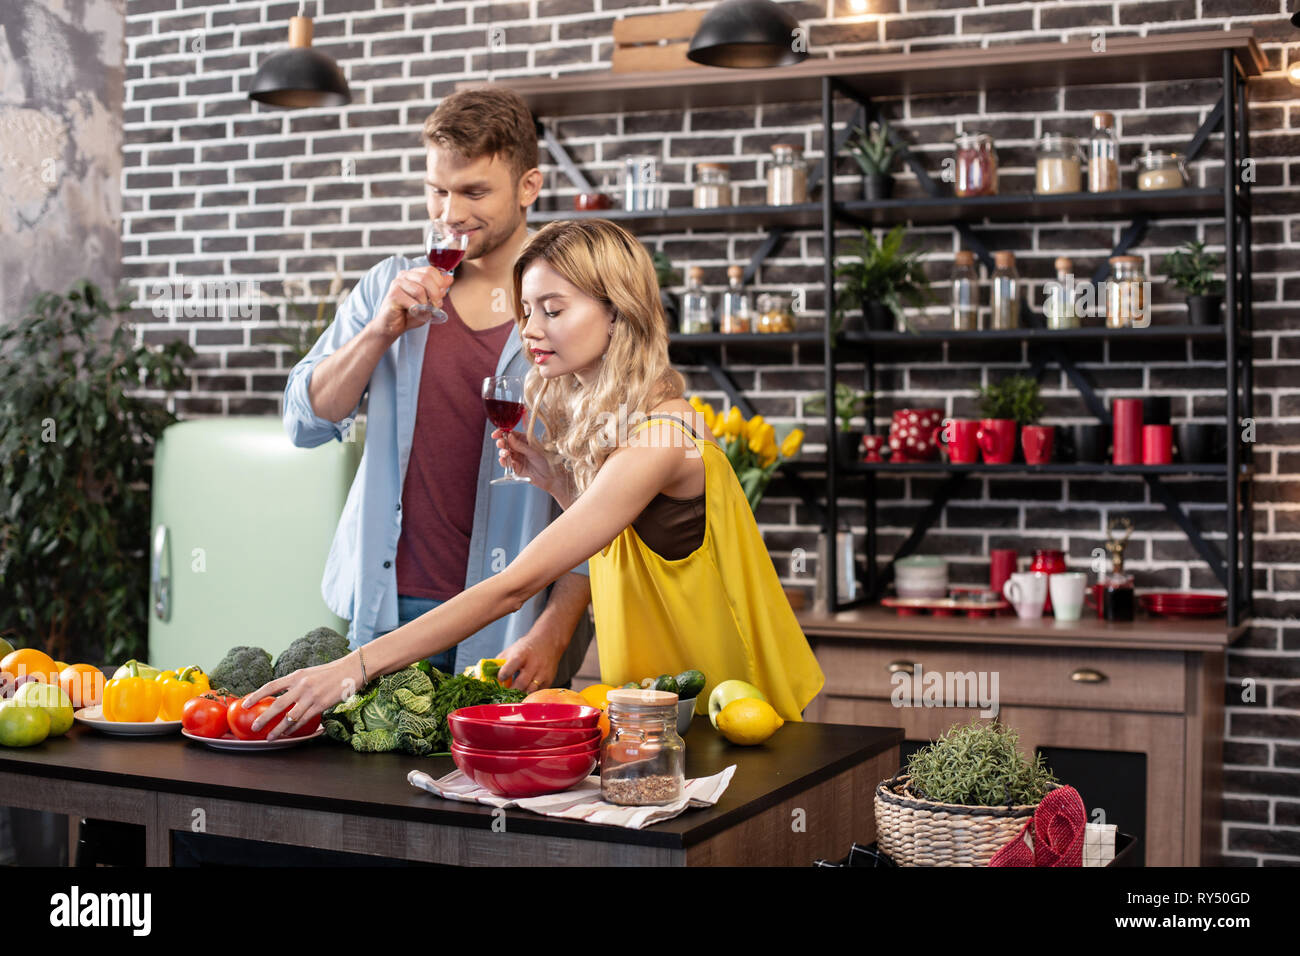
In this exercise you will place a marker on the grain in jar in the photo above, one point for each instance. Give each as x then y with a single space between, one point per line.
1125 293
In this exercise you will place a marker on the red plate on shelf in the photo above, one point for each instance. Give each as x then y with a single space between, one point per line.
1180 604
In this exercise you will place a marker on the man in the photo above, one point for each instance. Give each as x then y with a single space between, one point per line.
421 522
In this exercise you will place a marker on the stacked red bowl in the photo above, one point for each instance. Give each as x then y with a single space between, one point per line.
525 750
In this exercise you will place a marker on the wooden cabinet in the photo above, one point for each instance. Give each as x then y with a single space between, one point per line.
1144 697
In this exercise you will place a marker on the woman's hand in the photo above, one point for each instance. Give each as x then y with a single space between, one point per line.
528 460
533 660
307 692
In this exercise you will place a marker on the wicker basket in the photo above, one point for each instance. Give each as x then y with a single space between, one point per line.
915 831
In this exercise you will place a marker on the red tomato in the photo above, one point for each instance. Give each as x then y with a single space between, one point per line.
241 720
205 716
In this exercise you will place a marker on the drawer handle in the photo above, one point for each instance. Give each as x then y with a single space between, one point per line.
905 667
1086 675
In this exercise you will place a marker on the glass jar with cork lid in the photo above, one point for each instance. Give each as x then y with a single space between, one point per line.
643 760
712 185
1125 293
787 176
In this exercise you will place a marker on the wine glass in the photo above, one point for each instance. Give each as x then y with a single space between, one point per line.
446 248
503 396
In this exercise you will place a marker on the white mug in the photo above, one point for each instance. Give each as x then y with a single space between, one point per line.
1067 589
1027 590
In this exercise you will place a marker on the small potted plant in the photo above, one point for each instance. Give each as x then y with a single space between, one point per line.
961 798
1003 405
874 154
1192 270
666 276
849 403
878 278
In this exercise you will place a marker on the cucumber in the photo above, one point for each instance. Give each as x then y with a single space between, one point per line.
690 684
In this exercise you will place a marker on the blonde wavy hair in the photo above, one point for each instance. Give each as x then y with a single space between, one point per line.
582 425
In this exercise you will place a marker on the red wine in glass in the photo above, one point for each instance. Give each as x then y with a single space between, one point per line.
446 249
503 397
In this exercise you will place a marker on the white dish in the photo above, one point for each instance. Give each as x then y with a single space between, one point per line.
94 717
231 742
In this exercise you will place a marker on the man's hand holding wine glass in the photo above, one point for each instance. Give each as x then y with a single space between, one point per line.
414 287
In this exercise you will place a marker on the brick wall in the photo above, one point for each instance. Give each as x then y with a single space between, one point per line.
216 188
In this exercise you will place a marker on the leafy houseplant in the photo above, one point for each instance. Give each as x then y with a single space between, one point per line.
1014 397
76 454
979 765
1192 269
878 278
849 403
750 446
874 155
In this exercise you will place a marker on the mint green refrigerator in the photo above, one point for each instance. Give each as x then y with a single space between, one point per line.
242 525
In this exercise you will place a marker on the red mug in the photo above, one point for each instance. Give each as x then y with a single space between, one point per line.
997 440
1037 441
1157 444
1126 414
914 434
871 445
959 438
1095 598
1002 564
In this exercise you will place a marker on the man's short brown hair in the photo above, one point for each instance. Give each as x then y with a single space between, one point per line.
485 121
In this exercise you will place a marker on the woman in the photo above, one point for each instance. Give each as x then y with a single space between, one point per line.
679 574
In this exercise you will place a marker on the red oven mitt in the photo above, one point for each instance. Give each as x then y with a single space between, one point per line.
1056 839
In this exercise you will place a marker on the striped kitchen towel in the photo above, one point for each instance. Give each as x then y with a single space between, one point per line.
583 801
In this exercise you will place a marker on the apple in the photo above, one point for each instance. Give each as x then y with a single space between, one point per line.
728 691
5 648
53 699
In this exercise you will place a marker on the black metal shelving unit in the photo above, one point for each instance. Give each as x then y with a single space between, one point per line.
1230 56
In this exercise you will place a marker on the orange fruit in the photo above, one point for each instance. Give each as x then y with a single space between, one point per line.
561 695
596 695
28 660
84 683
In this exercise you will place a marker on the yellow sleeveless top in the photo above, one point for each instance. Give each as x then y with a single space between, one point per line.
719 610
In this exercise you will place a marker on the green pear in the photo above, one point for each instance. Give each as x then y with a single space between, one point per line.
728 691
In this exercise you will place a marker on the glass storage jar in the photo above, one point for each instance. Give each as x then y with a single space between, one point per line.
1005 295
774 313
643 760
1059 307
734 313
1157 169
712 185
1059 168
965 292
696 317
1103 155
787 176
1125 293
977 165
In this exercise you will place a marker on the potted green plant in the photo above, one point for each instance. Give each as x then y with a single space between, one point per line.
874 153
878 278
961 798
1010 402
1192 270
76 458
666 276
849 403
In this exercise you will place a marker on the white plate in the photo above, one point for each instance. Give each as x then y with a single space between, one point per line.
94 717
231 742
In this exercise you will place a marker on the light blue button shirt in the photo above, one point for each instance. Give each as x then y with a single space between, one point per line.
360 581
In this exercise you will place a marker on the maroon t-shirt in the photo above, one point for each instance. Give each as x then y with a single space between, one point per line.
442 473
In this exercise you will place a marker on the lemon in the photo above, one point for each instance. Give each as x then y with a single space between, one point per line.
749 721
596 695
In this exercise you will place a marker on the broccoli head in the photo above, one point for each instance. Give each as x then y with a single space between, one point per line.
243 670
318 646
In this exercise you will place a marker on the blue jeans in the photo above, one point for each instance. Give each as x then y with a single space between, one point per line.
408 609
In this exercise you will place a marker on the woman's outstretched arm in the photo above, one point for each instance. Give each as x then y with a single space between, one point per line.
627 482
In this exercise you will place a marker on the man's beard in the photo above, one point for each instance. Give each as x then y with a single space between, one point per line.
489 242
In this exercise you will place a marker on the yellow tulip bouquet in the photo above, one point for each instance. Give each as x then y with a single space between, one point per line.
750 446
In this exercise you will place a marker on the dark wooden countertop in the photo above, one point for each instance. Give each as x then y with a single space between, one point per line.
326 775
1144 633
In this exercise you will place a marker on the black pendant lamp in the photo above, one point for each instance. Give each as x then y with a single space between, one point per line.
300 76
747 34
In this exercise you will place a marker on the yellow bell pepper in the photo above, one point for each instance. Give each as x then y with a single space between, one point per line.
486 669
133 698
178 688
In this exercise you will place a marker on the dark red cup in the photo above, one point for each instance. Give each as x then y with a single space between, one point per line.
997 440
1037 441
1095 598
1126 415
1002 564
959 438
1157 444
